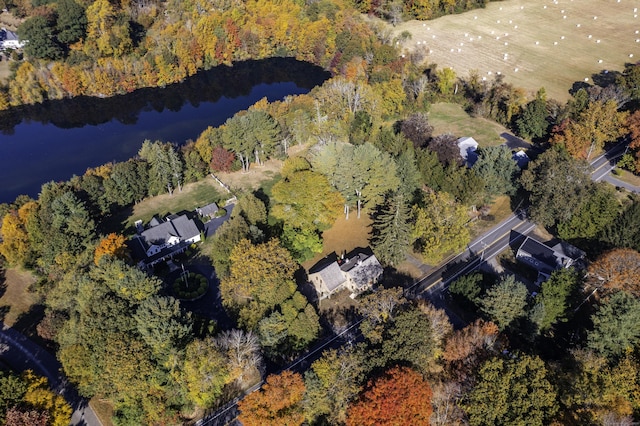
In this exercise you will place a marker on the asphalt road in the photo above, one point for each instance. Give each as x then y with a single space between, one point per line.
21 353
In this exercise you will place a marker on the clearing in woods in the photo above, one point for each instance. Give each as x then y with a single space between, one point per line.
534 44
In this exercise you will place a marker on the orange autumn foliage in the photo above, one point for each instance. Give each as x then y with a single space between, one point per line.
400 397
278 403
618 269
113 245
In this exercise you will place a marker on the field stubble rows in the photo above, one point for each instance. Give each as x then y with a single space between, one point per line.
534 44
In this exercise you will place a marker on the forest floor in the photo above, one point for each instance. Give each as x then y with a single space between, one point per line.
550 44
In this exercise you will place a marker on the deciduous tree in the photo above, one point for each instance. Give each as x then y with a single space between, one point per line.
205 371
305 200
261 277
618 269
332 382
279 402
113 245
557 186
401 396
417 129
439 225
512 392
598 124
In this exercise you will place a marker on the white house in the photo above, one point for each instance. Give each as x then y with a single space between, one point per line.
356 272
10 40
164 239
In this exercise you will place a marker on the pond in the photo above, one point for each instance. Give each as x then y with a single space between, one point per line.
58 139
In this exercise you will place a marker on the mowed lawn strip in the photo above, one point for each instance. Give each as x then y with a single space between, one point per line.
451 118
197 194
531 42
17 299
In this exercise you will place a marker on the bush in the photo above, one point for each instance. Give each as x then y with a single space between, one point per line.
197 286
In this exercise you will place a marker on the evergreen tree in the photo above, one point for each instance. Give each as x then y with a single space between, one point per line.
505 302
532 123
391 230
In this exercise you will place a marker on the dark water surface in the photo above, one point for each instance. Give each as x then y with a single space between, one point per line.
58 139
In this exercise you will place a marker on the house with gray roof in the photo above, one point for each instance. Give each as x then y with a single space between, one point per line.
162 240
10 40
546 259
208 211
356 272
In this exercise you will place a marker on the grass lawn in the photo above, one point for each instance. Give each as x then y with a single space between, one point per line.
103 410
499 210
254 179
628 177
451 118
344 235
193 195
16 300
532 43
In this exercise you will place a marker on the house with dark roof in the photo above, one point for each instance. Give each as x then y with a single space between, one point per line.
356 272
10 40
162 240
208 211
545 259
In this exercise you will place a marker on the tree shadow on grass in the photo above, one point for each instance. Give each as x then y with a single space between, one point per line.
27 322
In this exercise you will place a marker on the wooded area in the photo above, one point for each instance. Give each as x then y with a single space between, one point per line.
567 355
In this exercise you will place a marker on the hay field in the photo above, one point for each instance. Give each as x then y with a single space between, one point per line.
540 43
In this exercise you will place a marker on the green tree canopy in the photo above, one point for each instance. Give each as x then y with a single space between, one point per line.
497 169
305 200
557 186
391 230
513 392
42 42
615 325
439 225
505 302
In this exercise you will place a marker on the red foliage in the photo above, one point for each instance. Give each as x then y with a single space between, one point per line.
222 160
18 417
400 397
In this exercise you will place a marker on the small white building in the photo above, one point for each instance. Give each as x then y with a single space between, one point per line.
468 147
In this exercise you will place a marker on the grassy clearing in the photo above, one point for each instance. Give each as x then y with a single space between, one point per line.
17 301
451 118
547 44
344 235
254 179
193 195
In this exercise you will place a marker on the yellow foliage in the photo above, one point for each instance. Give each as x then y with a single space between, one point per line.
40 396
112 245
15 245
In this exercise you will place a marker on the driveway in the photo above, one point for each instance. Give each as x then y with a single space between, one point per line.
21 353
212 226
